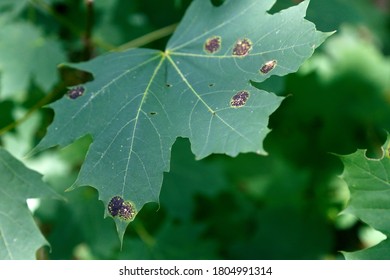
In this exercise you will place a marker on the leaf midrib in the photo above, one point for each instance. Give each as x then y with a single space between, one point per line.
139 110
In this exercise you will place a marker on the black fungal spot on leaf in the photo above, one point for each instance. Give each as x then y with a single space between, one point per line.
211 84
268 66
123 209
239 99
115 205
152 113
75 92
168 85
242 47
212 45
127 211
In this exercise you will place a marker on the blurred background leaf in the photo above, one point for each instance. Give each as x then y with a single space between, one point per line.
369 184
25 56
20 236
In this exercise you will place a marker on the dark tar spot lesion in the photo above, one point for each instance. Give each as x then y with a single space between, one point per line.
114 205
239 99
242 47
118 207
268 66
213 44
127 211
75 92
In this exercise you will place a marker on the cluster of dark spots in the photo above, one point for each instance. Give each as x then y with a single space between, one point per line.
242 47
213 44
75 92
239 99
123 209
268 66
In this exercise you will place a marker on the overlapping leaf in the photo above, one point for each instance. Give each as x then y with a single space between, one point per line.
369 183
141 100
19 236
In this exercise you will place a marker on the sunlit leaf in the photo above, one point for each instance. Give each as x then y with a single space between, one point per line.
199 88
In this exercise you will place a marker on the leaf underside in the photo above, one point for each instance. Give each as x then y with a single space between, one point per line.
20 238
369 184
199 88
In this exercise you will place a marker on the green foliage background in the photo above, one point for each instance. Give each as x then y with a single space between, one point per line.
285 205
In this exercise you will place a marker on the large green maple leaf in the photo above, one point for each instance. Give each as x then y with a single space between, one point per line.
369 184
20 237
141 100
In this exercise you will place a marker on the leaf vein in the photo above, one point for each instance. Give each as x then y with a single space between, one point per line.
136 121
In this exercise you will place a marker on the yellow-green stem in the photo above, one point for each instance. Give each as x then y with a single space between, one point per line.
148 38
143 234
